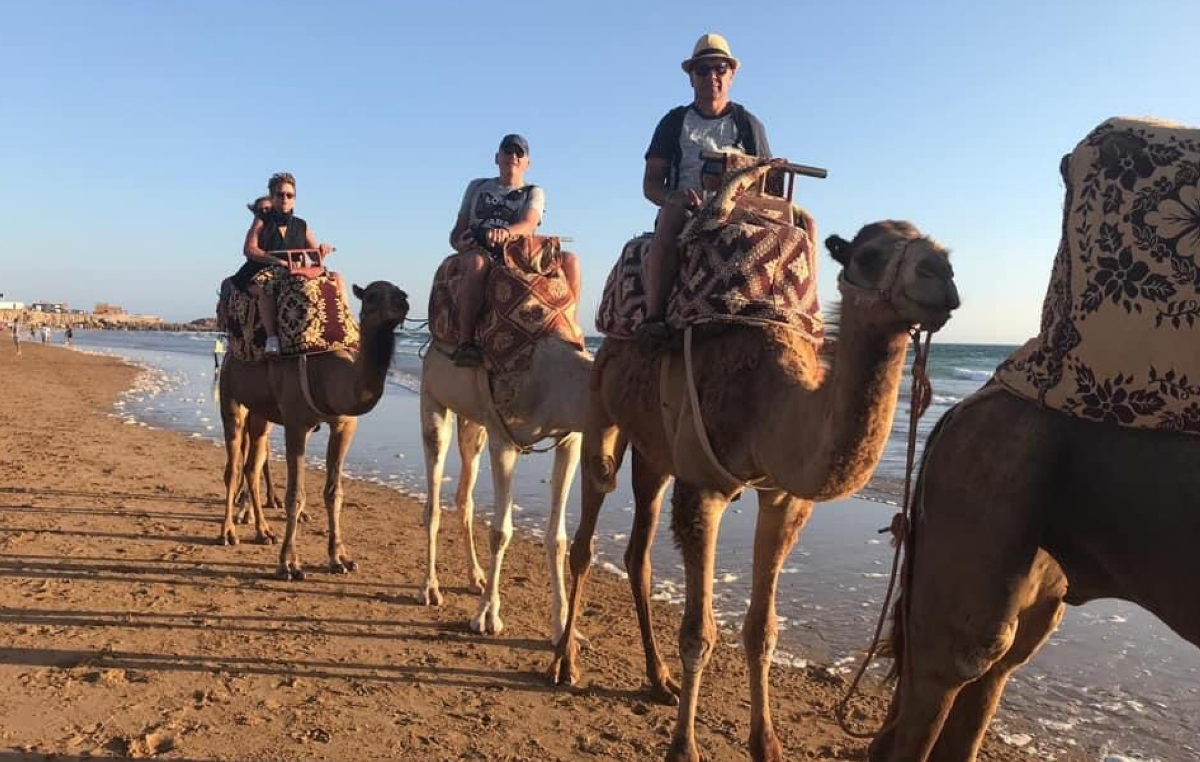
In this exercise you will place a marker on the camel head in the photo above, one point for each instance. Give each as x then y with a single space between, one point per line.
902 277
382 304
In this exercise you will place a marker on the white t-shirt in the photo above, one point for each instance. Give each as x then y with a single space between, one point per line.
487 204
699 135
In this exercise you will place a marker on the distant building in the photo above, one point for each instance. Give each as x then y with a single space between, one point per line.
12 305
103 308
55 307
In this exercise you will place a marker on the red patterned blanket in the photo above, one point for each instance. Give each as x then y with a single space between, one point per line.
311 313
741 261
525 300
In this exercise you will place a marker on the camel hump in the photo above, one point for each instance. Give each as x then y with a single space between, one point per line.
1120 319
746 257
312 316
527 298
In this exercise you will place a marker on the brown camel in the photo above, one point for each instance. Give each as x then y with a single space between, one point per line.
1011 527
342 386
773 413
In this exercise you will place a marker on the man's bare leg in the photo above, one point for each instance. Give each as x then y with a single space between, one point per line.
470 302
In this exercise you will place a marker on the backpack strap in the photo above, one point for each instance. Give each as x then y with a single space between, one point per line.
674 126
745 131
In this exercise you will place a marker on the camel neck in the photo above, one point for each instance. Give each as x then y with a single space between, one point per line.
851 415
371 366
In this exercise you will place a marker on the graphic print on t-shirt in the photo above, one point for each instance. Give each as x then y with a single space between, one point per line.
496 208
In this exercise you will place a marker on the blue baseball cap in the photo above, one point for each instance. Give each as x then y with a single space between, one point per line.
516 140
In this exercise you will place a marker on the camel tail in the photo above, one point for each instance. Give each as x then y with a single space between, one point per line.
895 645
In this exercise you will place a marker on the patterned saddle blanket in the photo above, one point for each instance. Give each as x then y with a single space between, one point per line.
743 258
311 313
1119 339
526 299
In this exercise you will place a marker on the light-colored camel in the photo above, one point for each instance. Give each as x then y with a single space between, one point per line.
546 400
1020 511
771 411
342 386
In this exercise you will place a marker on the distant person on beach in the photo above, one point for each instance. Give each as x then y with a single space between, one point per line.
493 211
16 328
711 122
218 352
276 229
45 334
69 335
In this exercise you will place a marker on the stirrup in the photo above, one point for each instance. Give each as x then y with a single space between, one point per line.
652 335
467 355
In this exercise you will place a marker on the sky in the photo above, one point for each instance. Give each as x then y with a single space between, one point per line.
133 133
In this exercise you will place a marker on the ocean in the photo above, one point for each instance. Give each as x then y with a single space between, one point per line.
1112 677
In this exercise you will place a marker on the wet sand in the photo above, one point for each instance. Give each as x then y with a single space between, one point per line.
127 631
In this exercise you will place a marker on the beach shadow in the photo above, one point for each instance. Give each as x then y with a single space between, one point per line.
102 560
434 674
175 539
26 756
164 497
109 512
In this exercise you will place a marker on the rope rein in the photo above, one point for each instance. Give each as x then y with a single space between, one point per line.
921 395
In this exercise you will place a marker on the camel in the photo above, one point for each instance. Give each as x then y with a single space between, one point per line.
242 498
342 386
546 400
800 432
1012 527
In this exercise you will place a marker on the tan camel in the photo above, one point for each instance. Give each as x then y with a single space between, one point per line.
547 400
342 386
772 413
1022 510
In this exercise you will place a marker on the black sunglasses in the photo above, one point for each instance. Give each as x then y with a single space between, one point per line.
517 151
720 70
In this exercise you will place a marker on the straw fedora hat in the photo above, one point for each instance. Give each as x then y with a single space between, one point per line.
711 45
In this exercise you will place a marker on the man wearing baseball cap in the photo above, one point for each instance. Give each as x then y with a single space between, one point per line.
493 210
711 122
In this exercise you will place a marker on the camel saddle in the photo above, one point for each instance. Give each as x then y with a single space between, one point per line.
311 314
1119 340
745 257
526 299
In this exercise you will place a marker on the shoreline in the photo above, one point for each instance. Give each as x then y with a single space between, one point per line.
119 603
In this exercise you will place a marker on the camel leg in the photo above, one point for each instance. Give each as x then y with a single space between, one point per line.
256 434
781 516
566 459
341 434
504 461
245 512
233 419
603 449
471 439
435 440
695 519
296 439
648 487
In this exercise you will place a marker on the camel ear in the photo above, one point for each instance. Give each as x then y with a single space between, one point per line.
838 247
358 292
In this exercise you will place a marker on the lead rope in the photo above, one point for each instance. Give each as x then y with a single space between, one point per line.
922 394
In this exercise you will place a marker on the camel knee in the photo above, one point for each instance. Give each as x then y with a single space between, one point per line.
501 538
601 471
978 651
697 638
759 634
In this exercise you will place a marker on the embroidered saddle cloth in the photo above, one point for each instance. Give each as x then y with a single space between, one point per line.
526 299
1120 340
311 314
743 258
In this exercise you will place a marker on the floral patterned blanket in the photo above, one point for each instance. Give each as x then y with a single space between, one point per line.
526 299
1119 340
311 313
744 258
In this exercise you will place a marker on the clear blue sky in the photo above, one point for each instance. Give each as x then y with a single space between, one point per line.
133 133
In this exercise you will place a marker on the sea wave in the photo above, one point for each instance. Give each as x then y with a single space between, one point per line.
971 374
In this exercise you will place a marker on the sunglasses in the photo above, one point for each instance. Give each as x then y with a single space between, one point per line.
517 151
720 70
285 195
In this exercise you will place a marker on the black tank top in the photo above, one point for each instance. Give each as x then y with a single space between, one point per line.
269 238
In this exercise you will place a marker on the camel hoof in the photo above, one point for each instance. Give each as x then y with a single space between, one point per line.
431 596
487 623
229 537
267 538
302 517
681 751
477 582
665 693
291 573
343 566
563 671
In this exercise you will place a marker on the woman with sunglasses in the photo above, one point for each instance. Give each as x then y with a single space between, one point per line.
672 180
493 210
275 228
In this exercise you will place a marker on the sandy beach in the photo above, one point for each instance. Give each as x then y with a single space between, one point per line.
128 631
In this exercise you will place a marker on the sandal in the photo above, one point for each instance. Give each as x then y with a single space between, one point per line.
467 355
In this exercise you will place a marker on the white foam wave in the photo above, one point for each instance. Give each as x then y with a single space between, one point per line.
970 374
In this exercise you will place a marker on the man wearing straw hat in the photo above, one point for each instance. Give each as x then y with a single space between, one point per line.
711 122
